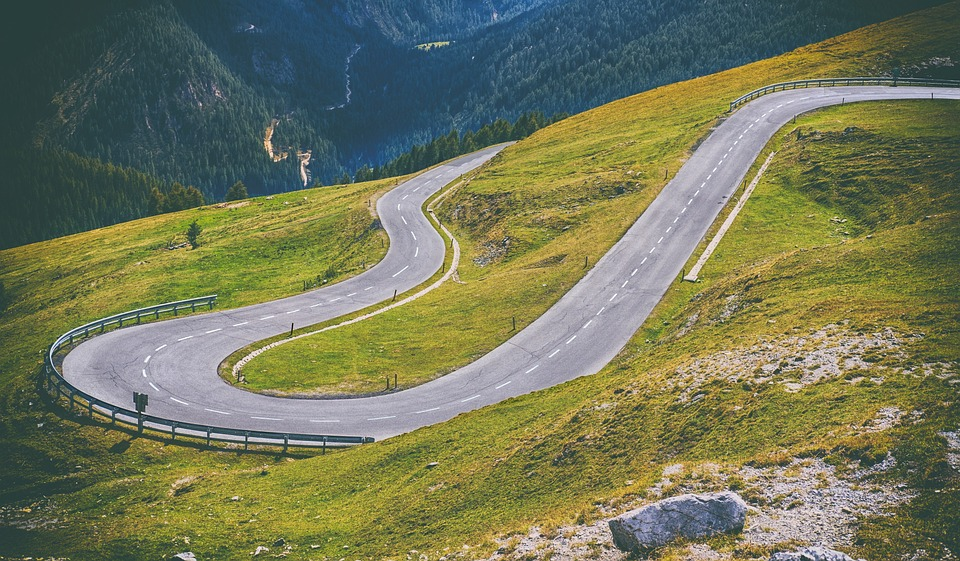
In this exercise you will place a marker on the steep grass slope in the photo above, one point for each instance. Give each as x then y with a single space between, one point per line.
887 305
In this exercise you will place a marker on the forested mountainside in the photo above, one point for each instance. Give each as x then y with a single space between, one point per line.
287 94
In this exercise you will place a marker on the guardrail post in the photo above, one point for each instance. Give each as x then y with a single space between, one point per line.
324 445
113 416
210 303
208 437
246 440
90 408
175 310
71 338
156 313
138 318
193 306
286 441
173 431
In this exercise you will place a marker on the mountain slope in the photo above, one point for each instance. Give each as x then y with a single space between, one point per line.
573 454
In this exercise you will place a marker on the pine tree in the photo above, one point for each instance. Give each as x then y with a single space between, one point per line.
193 232
237 192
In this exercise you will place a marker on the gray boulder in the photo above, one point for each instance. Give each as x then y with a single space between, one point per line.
686 516
814 553
185 556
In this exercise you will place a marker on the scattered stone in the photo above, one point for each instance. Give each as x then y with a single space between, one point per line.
432 465
185 556
686 516
280 542
814 553
260 549
235 498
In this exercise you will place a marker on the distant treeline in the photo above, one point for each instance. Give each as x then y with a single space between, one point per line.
455 144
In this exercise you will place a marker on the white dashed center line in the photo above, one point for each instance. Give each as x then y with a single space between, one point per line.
144 372
404 219
146 360
507 383
351 294
426 411
614 296
214 330
586 325
185 338
634 272
154 387
644 261
570 340
417 251
267 317
660 240
368 288
469 398
180 401
216 411
652 249
401 270
382 418
315 305
241 323
160 348
624 283
266 418
293 311
324 420
532 369
553 354
414 236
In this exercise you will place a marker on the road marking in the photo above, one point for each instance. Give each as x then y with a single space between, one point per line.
241 323
185 338
414 236
154 387
368 288
146 360
418 188
266 418
702 185
324 420
398 206
468 399
610 300
652 249
735 142
382 418
660 240
401 270
318 304
267 317
214 330
684 210
404 219
144 372
160 348
180 401
570 340
624 285
644 261
417 252
404 197
714 170
507 383
709 176
351 294
741 138
586 325
690 202
337 298
553 354
750 127
697 193
288 313
426 411
532 369
721 161
216 411
634 272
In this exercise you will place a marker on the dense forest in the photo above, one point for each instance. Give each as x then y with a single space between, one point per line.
284 95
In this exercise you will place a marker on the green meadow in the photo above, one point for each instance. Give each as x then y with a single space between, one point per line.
854 225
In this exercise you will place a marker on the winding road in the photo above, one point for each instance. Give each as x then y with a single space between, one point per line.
175 362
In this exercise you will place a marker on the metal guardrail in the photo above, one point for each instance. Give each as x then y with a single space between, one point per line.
58 387
828 82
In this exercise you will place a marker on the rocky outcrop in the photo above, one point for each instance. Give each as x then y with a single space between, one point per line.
814 553
686 516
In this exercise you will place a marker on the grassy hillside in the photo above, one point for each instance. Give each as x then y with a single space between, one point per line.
566 194
576 453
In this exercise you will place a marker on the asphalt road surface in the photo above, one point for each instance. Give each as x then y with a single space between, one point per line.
175 362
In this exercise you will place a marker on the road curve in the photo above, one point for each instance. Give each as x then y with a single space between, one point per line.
175 362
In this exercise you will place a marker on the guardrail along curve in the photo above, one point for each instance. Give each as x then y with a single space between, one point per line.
58 387
832 82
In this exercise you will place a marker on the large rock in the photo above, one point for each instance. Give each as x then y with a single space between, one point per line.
686 516
815 553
